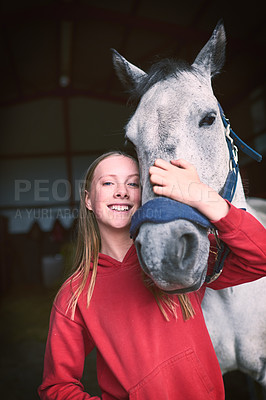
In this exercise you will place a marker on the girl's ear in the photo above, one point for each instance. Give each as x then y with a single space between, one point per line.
87 200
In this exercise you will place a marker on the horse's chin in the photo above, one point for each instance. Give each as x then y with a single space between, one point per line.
172 288
189 289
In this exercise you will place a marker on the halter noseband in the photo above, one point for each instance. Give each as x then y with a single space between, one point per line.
163 209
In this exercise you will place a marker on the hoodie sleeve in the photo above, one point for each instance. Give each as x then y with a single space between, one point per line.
67 345
246 238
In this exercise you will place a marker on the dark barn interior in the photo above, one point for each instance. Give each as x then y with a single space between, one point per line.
61 106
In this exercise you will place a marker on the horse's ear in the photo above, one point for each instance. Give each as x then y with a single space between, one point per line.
128 73
211 58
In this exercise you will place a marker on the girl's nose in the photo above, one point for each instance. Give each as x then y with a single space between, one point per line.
121 192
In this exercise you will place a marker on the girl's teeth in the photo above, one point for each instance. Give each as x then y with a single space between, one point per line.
120 208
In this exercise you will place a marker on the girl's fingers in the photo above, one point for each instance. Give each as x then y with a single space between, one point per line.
160 190
166 166
157 171
157 180
156 189
161 163
181 163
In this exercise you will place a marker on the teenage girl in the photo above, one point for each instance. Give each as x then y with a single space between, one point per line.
149 345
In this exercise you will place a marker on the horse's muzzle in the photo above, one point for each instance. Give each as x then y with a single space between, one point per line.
174 254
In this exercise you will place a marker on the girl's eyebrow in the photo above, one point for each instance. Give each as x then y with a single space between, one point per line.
115 176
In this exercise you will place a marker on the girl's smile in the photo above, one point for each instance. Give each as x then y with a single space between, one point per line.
120 207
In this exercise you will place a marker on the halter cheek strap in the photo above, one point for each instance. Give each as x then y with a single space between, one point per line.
229 187
239 143
163 209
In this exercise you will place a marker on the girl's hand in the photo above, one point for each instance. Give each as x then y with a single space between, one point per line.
179 181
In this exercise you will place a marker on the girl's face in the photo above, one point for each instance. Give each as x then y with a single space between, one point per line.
115 192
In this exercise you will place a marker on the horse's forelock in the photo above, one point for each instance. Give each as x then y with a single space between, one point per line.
161 70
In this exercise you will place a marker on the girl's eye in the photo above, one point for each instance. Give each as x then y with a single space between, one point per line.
107 183
134 184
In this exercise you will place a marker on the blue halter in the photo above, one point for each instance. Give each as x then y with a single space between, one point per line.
163 209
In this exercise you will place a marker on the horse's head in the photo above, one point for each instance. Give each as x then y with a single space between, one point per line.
177 117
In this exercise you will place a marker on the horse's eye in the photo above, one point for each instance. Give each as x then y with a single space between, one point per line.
207 120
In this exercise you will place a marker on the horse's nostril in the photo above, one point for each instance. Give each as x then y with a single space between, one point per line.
188 244
181 247
181 252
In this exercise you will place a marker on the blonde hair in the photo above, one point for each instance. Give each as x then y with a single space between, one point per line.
88 248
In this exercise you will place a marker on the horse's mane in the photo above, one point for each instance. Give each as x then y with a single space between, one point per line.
161 70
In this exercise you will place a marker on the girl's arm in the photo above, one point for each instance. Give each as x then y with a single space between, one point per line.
66 348
246 238
243 233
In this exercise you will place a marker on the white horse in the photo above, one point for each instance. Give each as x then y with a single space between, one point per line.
178 117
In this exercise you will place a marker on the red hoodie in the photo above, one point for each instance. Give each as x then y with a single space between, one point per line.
141 356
